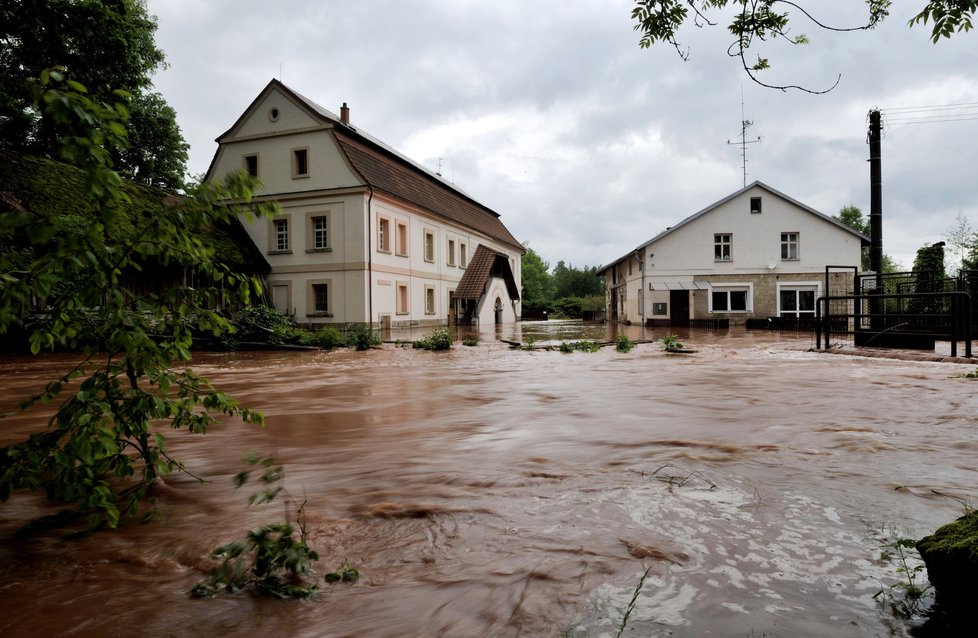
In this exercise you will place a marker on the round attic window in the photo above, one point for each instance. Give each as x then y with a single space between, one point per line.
273 114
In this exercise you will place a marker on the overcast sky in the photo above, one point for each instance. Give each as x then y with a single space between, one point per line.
548 112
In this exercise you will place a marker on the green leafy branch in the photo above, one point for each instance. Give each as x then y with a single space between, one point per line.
270 559
77 285
756 21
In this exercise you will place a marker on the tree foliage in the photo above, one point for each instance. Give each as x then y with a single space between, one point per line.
538 288
567 291
930 276
758 21
71 289
961 242
930 259
577 282
852 217
105 45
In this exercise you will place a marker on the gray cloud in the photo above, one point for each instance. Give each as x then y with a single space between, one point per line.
551 114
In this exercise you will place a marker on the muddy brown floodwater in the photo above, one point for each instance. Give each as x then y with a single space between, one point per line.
495 492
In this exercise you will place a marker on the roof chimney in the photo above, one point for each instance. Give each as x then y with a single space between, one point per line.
345 114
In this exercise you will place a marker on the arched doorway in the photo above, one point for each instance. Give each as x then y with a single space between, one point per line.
499 311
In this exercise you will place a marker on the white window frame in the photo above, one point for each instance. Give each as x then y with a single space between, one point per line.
280 235
799 286
313 234
463 257
790 239
451 252
383 234
723 241
733 286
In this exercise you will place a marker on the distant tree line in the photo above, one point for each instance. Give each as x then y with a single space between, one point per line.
567 291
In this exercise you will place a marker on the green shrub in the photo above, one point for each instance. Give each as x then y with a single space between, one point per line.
440 339
671 343
470 342
566 347
362 337
623 343
266 324
329 337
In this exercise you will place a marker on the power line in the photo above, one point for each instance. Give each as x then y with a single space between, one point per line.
934 107
934 114
932 119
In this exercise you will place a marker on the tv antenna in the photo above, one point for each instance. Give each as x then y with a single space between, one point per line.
744 125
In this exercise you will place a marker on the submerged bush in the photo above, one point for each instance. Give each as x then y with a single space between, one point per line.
440 339
623 343
362 337
671 343
587 346
270 559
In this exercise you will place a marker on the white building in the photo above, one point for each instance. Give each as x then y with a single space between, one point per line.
756 253
365 235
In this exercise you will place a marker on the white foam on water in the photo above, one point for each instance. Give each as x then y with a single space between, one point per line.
791 551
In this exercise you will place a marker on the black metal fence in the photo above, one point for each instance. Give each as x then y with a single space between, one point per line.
880 316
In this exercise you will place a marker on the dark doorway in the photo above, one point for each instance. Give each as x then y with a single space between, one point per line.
679 307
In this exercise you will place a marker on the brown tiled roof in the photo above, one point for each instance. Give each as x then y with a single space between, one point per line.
388 173
477 273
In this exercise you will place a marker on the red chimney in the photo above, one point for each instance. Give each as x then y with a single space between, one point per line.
345 114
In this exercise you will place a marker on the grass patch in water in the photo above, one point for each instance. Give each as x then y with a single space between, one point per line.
909 596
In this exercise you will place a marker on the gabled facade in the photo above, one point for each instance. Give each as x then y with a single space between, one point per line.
757 253
364 235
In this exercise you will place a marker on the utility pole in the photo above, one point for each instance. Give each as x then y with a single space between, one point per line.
876 214
876 194
744 125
